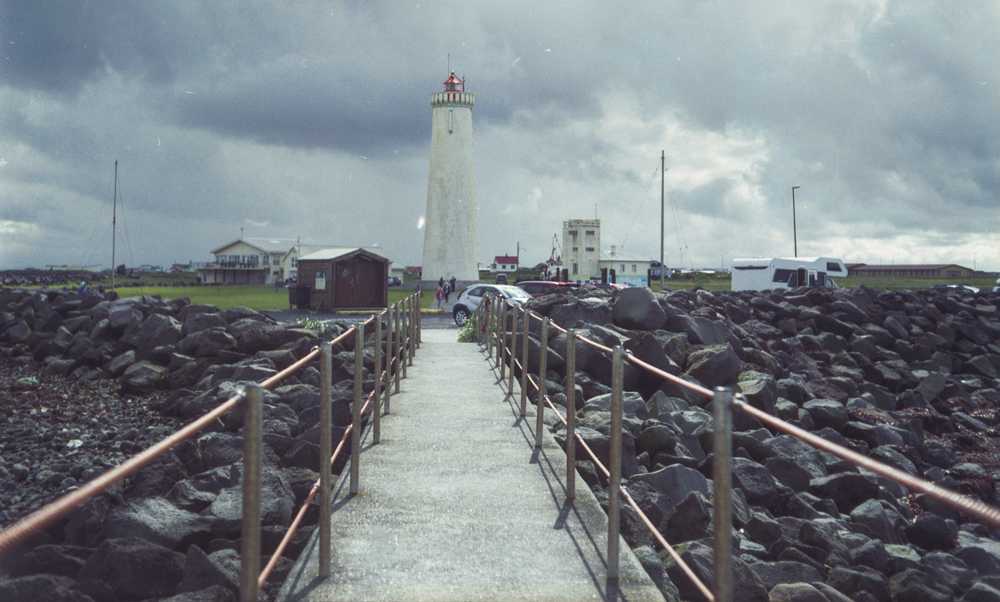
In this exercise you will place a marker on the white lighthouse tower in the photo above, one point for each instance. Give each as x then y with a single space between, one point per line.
451 237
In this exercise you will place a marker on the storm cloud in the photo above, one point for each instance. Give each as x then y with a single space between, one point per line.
312 119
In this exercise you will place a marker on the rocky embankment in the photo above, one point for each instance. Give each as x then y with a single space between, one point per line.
907 378
87 381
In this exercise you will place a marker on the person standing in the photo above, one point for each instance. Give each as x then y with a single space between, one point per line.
451 283
441 282
439 295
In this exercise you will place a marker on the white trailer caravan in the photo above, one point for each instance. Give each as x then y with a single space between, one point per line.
786 272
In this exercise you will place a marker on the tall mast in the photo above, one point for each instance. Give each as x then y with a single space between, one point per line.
114 221
663 162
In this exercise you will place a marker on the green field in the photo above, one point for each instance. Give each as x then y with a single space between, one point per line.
254 297
267 298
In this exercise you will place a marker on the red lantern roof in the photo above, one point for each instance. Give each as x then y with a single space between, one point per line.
454 83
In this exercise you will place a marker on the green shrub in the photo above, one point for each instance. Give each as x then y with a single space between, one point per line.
467 334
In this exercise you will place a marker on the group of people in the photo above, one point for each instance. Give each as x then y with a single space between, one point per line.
444 291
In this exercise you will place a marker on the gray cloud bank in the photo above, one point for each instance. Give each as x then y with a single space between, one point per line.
313 118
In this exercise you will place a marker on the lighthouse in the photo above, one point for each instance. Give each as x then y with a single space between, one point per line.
451 237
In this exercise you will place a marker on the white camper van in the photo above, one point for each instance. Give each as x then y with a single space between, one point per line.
786 272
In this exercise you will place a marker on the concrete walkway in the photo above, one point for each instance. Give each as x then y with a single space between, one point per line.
455 506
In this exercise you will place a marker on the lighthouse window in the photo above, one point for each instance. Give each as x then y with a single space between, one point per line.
589 249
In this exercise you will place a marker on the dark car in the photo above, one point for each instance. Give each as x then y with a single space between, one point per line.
536 288
395 281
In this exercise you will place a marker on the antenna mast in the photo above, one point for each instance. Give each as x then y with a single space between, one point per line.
114 221
663 170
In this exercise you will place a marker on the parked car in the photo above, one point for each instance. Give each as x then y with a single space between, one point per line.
965 288
501 278
536 288
996 289
395 281
470 298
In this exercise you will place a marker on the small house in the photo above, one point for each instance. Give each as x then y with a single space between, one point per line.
345 278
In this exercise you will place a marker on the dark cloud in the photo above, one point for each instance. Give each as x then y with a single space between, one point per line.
883 112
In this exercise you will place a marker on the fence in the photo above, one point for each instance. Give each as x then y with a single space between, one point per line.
492 322
403 334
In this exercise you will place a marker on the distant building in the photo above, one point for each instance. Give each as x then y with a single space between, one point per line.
581 248
634 272
914 270
505 263
413 272
257 261
247 261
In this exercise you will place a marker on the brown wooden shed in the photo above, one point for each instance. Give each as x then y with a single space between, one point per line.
345 278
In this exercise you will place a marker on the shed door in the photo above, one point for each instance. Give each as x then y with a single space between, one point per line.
359 283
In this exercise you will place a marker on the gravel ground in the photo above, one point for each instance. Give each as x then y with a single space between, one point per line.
56 433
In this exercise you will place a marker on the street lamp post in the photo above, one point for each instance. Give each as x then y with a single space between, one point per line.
795 236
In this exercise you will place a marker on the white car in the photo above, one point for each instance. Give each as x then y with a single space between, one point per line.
472 296
996 289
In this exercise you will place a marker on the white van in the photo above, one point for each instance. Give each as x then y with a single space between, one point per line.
786 272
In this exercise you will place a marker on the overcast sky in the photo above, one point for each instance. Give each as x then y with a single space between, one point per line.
312 119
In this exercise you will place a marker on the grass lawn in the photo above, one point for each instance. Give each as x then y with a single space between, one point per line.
266 297
254 297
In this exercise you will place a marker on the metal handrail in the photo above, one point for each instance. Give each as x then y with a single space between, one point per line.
400 346
576 439
960 502
296 523
603 470
723 403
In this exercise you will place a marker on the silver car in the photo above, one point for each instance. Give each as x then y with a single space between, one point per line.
472 296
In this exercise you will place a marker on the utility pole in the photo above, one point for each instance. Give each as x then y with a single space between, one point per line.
795 236
114 222
663 169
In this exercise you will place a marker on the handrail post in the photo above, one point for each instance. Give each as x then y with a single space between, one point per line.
411 331
524 363
543 361
501 308
571 414
416 320
511 353
502 342
615 463
488 330
722 448
479 325
325 450
397 349
377 397
387 390
404 333
359 368
250 529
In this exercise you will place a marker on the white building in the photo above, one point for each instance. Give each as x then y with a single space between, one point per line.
581 248
451 236
506 264
258 260
248 261
630 271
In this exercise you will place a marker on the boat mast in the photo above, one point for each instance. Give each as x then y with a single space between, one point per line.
114 220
